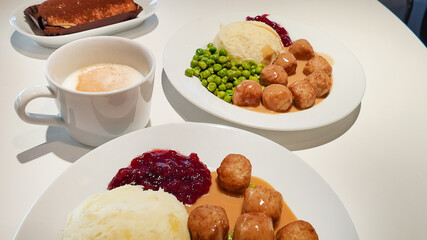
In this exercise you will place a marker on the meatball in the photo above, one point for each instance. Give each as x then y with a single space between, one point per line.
304 94
234 173
208 222
253 226
247 93
287 61
273 74
320 81
298 230
302 49
277 97
317 63
265 200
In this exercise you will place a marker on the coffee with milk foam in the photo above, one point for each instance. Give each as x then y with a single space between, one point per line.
103 77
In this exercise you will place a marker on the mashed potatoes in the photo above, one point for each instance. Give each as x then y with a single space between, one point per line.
250 40
128 212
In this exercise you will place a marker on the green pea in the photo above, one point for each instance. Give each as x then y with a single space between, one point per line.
241 78
215 91
227 98
230 236
200 51
222 52
210 62
252 185
222 87
246 73
194 63
229 85
238 63
196 72
217 67
228 58
207 53
234 68
253 78
253 71
189 72
222 59
253 66
258 70
260 65
211 86
212 49
211 70
210 45
224 80
246 66
227 65
235 83
211 79
205 74
202 65
222 72
240 68
215 57
204 82
221 94
252 62
204 59
237 74
218 81
195 57
200 57
230 73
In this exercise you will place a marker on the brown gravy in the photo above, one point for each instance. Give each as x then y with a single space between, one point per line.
299 75
233 203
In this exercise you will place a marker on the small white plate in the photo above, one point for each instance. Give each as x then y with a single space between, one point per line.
345 96
28 28
306 193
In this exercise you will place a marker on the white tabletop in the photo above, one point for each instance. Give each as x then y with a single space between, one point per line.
375 159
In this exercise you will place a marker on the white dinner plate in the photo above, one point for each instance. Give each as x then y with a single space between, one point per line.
27 27
345 95
306 193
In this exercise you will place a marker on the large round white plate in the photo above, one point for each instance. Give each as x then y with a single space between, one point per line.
21 24
307 194
345 96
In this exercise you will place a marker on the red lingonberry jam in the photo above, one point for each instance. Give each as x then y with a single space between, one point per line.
183 176
284 36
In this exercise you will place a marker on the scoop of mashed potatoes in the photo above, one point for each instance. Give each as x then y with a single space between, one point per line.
128 212
250 40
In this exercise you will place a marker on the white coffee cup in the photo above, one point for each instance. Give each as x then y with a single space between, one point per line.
94 118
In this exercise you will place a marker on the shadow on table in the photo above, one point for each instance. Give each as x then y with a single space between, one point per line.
27 47
60 143
292 140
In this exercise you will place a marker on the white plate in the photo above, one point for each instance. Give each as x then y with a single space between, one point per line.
19 22
307 194
345 96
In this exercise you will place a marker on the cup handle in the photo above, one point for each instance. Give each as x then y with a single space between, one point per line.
26 96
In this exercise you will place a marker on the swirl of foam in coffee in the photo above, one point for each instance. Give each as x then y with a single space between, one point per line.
103 77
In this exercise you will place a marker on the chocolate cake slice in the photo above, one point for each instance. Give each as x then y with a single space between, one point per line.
60 17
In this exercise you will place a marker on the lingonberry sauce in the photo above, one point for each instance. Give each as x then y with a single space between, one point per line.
284 36
183 176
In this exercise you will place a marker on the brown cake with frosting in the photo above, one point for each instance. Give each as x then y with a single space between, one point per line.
57 17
